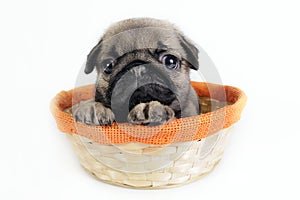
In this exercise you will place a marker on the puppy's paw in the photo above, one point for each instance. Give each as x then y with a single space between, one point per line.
152 114
93 113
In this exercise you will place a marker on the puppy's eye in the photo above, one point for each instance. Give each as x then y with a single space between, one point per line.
170 61
108 66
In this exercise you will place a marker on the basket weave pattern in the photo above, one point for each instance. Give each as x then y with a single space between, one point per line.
199 158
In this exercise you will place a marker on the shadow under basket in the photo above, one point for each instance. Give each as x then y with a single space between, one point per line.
164 156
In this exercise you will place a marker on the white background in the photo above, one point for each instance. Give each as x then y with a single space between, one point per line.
254 45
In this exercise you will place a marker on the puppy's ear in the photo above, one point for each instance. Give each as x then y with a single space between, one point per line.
92 58
191 52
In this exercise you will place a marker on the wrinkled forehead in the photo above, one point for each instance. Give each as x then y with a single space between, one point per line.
138 39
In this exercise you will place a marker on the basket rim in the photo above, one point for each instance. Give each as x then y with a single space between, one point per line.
178 130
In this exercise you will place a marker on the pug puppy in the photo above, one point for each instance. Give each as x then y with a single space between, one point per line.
143 70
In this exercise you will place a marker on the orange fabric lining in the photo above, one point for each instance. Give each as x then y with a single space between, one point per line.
178 130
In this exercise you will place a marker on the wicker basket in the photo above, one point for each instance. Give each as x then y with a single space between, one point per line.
151 163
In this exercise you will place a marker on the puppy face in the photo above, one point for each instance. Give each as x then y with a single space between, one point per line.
142 60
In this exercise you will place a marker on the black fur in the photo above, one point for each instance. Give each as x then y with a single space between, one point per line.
153 92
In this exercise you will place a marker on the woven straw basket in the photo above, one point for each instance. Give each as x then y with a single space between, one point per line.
169 155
